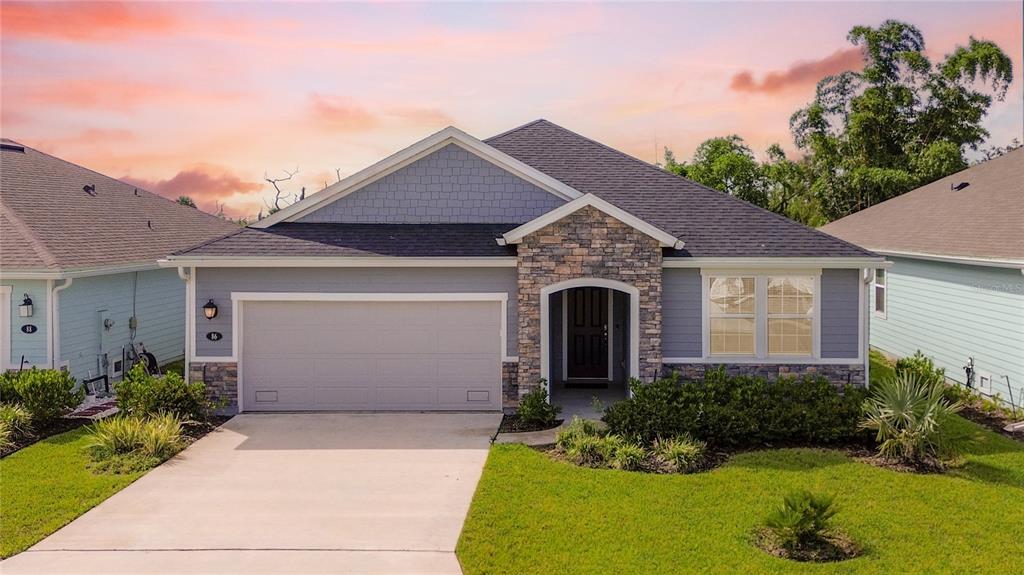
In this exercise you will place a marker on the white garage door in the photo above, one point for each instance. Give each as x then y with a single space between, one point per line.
443 355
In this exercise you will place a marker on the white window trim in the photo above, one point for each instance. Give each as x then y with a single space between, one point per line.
884 314
760 318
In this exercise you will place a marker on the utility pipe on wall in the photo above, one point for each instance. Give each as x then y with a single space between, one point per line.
53 323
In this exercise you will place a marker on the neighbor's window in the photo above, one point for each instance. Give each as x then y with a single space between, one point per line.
731 312
880 292
790 315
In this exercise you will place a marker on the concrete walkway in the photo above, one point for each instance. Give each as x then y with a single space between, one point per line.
288 493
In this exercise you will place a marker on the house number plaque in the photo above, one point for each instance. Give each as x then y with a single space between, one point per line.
214 336
29 328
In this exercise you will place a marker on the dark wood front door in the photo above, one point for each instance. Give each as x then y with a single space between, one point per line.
587 341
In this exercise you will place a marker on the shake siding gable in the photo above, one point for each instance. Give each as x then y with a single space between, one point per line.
450 185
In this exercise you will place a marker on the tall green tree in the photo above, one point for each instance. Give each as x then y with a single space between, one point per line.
725 164
901 122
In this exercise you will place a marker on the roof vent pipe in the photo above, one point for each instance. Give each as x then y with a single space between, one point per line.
958 187
89 189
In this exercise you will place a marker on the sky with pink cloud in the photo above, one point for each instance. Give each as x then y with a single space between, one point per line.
204 99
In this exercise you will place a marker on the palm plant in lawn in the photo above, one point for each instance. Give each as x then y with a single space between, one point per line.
910 416
803 519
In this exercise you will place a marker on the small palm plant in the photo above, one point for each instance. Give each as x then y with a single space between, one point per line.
910 416
803 520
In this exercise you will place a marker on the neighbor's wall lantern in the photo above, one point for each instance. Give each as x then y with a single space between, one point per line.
210 310
25 309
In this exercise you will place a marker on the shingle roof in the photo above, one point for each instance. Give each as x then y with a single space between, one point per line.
712 224
983 220
360 240
49 223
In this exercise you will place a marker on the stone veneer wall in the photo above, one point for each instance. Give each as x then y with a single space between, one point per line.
587 244
838 374
221 380
509 385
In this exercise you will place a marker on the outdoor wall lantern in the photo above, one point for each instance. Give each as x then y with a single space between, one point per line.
210 310
25 309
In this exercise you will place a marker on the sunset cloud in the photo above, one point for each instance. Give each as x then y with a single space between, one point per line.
90 21
343 114
209 186
799 75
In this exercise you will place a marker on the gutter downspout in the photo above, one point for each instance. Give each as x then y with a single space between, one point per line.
186 276
53 317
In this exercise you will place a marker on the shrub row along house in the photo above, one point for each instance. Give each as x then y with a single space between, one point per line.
956 287
79 278
458 273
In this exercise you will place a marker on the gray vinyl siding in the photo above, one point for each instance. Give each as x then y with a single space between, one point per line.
158 300
682 321
218 283
681 313
840 313
30 346
951 312
450 185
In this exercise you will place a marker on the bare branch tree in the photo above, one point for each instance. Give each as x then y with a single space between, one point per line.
337 171
279 194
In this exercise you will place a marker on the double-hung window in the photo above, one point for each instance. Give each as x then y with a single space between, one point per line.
732 308
762 315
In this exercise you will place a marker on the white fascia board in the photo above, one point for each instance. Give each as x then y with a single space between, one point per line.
965 260
402 158
78 272
666 239
775 263
338 262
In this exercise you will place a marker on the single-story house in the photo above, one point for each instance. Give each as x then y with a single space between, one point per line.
457 273
79 278
955 290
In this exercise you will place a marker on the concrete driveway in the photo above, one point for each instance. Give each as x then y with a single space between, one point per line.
288 493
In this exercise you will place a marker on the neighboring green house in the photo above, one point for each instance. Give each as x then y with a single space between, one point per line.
82 248
956 289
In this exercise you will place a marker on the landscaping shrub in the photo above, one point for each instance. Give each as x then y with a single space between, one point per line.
141 394
911 419
15 418
577 428
534 408
9 391
803 520
681 454
628 457
45 393
733 411
128 443
922 367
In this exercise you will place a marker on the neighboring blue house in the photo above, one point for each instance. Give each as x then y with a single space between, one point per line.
82 248
956 288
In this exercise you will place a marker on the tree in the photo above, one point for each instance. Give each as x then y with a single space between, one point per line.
901 122
281 198
726 164
186 201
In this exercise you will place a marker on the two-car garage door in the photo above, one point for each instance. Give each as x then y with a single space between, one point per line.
371 355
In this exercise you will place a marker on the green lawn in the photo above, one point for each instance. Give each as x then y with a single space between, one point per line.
535 515
46 485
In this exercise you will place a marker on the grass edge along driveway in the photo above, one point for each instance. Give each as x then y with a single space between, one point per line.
48 484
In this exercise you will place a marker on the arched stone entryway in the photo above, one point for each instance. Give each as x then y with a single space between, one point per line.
588 248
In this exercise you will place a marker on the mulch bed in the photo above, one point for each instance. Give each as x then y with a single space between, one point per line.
512 424
835 546
994 421
39 433
196 430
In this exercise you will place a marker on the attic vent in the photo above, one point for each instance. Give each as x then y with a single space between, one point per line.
89 189
12 147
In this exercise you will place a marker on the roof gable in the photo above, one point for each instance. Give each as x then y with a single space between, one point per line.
402 158
665 239
448 186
